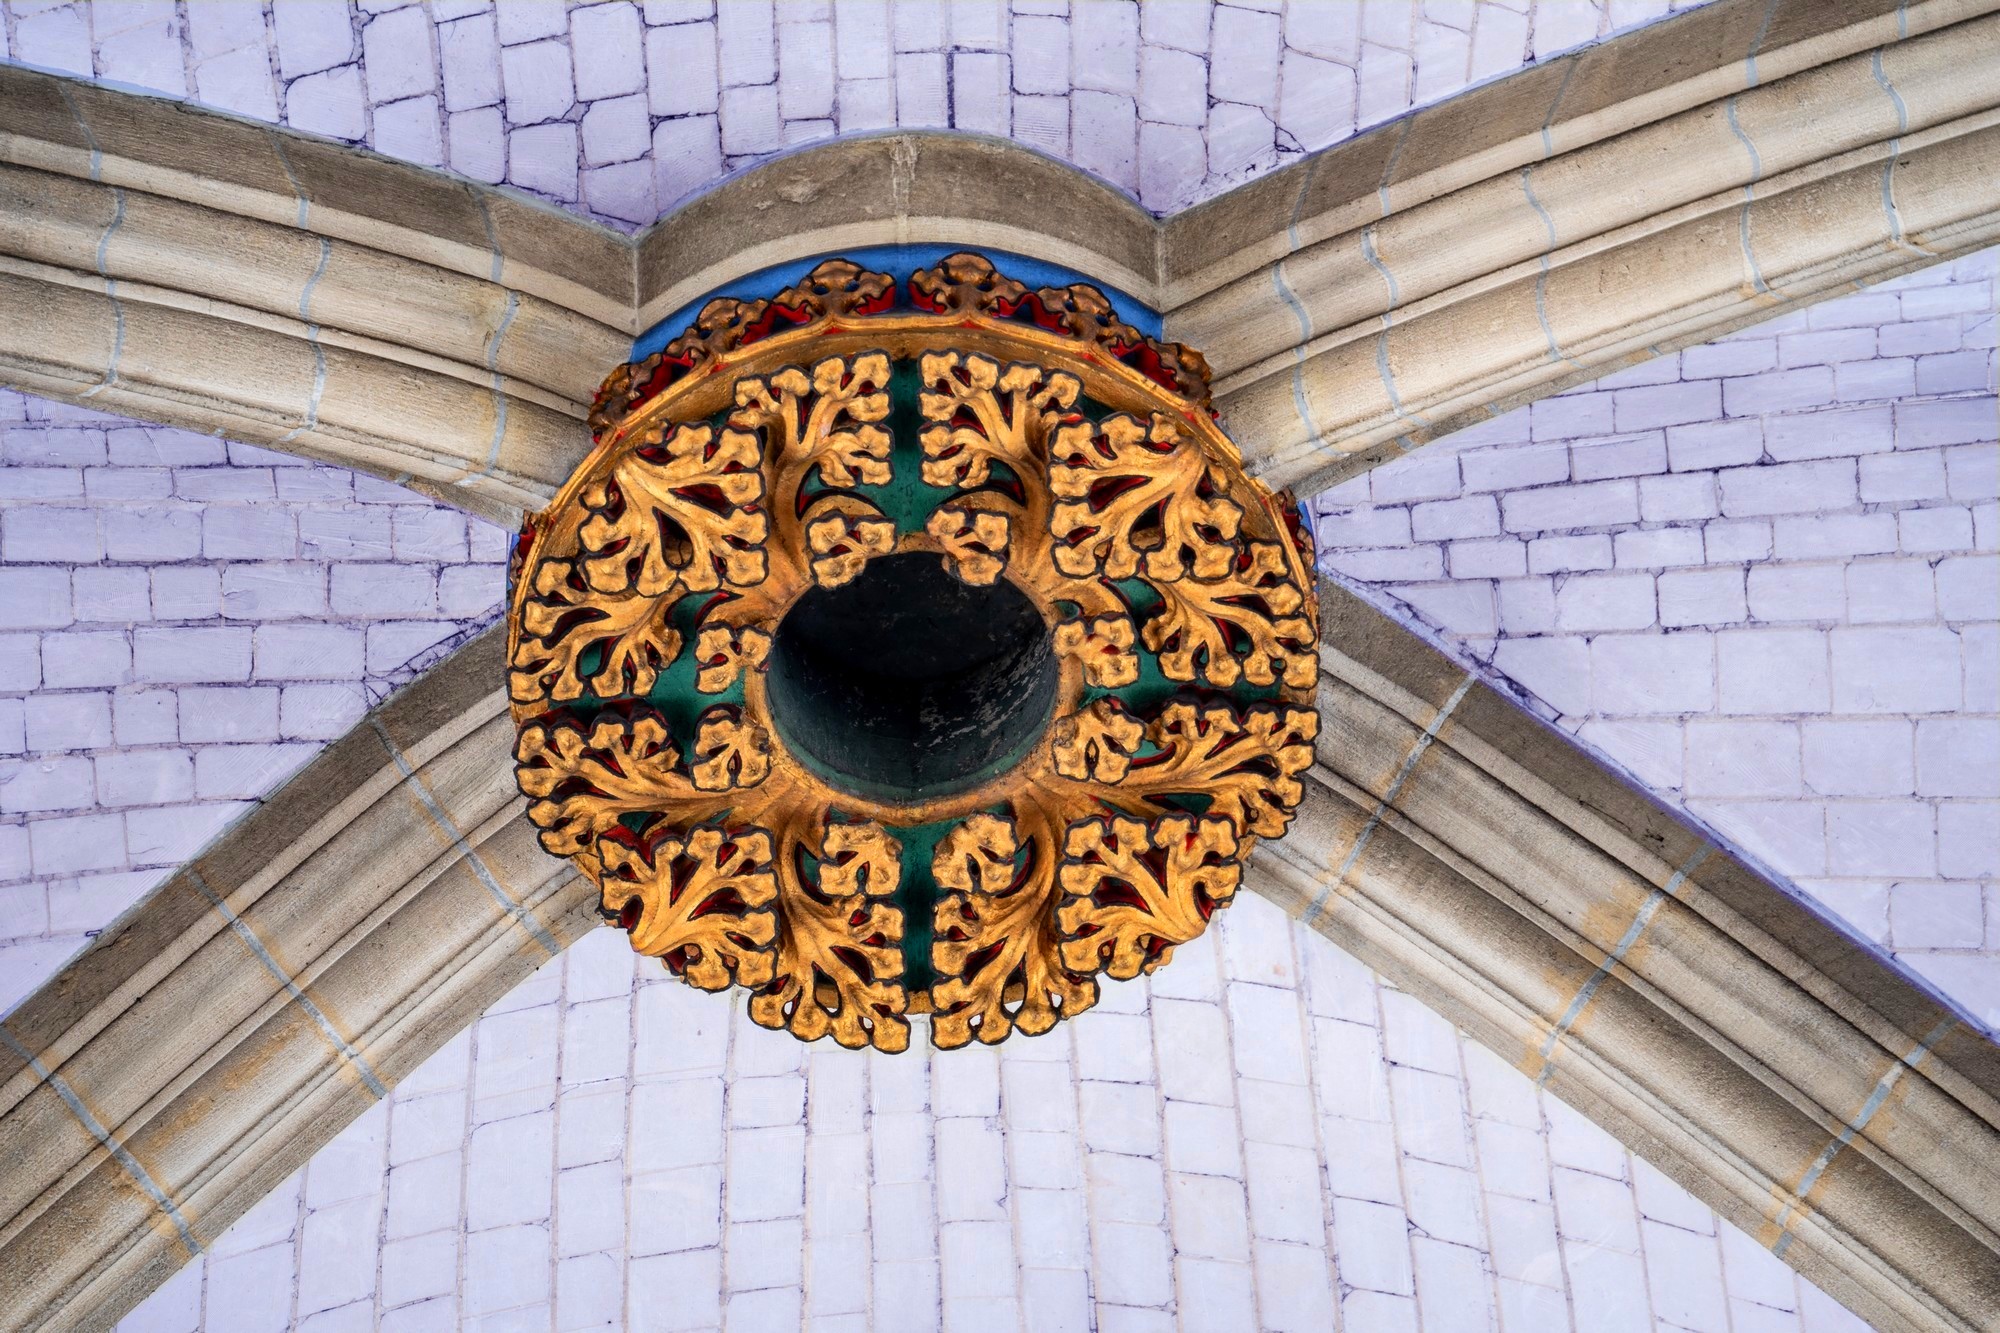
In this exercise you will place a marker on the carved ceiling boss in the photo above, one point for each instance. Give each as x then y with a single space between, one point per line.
912 645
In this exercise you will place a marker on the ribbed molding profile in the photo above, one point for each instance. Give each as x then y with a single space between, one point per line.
1591 211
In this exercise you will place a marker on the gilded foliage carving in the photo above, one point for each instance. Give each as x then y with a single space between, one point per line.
678 513
777 447
995 941
1102 646
840 958
1135 496
560 625
1096 743
1246 766
731 751
974 542
842 541
723 653
1245 624
702 902
581 784
1134 890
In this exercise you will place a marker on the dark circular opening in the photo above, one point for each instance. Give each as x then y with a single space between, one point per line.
908 684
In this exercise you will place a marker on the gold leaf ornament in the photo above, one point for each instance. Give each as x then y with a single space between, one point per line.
994 937
725 653
581 783
678 514
1102 645
1133 496
1135 890
702 902
1200 623
988 414
840 959
731 751
974 542
561 622
1246 766
1097 744
843 541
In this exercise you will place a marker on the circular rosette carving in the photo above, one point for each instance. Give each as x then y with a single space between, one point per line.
912 646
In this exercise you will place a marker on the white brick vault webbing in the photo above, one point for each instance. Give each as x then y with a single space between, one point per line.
621 110
1266 1135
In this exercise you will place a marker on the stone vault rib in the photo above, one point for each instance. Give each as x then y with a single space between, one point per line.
1783 1072
1633 197
1527 236
184 266
216 1035
396 321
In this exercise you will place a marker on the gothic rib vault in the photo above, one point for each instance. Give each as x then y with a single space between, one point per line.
1660 984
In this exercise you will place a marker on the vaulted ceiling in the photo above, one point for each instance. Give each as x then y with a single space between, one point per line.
1592 211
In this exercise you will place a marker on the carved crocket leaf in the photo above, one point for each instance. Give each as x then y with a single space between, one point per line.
986 414
1242 625
1134 495
730 750
827 418
840 956
1103 646
700 901
994 931
974 541
723 653
841 541
967 283
679 514
562 622
1247 768
1136 890
1096 744
579 783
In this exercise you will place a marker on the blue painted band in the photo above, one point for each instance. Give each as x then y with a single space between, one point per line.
901 261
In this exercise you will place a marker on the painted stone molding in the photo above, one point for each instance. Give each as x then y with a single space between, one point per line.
912 647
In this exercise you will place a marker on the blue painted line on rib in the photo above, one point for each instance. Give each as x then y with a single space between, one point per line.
1299 311
319 353
1876 1097
306 293
1382 367
451 830
1640 920
298 996
1317 906
492 237
1375 262
1389 167
89 137
311 421
104 241
1749 197
1548 121
298 190
1890 212
118 1151
1556 352
110 293
1757 44
499 391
